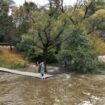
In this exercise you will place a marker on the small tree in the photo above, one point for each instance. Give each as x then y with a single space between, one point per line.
79 49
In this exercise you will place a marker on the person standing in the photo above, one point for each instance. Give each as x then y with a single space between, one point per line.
42 70
65 64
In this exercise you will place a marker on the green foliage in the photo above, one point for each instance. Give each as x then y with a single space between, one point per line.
64 53
98 44
13 65
19 64
5 29
31 54
34 57
27 46
6 24
21 16
23 28
79 50
52 58
24 45
97 18
47 30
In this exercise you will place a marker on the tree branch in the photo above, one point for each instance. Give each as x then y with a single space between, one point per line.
41 39
87 8
60 32
38 46
55 42
46 34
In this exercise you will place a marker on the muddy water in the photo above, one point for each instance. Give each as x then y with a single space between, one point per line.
64 89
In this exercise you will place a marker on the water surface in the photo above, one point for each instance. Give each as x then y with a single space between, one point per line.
64 89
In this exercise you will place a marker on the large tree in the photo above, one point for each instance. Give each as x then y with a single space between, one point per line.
47 27
53 25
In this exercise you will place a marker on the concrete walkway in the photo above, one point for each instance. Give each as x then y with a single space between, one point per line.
31 74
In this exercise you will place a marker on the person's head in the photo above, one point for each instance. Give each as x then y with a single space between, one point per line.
42 62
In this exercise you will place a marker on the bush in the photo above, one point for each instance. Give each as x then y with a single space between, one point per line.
98 44
24 45
33 57
79 49
64 53
39 57
51 58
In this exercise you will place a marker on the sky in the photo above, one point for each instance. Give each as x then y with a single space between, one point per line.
42 2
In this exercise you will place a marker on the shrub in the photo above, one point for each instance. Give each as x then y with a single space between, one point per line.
31 54
79 49
51 58
24 45
98 44
33 57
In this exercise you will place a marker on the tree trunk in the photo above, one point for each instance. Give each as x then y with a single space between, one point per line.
11 47
45 59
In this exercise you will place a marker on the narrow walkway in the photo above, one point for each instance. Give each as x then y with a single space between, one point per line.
31 74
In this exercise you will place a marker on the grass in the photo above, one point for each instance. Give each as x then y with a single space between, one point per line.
10 59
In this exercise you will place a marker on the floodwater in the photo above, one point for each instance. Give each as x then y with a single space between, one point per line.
63 89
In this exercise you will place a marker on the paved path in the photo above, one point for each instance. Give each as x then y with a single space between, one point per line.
31 74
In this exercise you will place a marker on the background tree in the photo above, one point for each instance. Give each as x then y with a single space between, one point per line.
21 17
6 24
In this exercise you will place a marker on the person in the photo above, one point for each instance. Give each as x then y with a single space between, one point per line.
42 69
65 63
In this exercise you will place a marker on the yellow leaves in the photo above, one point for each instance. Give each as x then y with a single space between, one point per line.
78 14
98 44
27 37
97 20
57 24
100 12
98 15
39 19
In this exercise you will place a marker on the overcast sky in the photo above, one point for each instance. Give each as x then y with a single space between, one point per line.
42 2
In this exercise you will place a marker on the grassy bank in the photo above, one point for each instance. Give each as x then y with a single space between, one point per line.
10 59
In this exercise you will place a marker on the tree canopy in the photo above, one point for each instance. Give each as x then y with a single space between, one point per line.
55 28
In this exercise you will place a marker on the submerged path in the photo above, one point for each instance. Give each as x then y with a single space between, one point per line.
31 74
